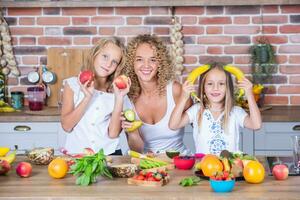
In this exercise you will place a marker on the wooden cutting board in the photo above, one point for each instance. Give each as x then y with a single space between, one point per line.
64 62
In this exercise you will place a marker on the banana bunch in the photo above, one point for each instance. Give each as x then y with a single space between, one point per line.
5 107
238 74
194 75
177 46
10 158
4 151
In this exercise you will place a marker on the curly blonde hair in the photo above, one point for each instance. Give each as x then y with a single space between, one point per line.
165 69
96 49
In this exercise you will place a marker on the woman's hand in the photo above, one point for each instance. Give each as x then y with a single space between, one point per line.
187 89
247 86
124 123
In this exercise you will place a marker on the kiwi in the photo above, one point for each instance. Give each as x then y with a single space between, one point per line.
172 153
129 115
226 154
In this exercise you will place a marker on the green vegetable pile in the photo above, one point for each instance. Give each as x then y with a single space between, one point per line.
190 181
148 164
88 168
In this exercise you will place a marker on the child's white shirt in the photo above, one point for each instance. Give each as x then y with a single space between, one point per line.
210 138
92 129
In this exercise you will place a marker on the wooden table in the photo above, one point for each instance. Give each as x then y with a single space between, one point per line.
41 186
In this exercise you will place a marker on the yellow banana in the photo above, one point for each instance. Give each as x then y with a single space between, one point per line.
7 109
10 158
238 74
194 75
135 126
4 151
2 103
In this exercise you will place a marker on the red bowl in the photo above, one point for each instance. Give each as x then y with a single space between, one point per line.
184 162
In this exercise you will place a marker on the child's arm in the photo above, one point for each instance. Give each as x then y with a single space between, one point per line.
178 117
114 128
70 116
252 121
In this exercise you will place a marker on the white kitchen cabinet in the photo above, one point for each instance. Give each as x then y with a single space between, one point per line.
274 138
28 135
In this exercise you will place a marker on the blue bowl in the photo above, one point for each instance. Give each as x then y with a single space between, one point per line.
222 186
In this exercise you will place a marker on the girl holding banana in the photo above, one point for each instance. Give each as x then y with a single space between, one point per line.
216 121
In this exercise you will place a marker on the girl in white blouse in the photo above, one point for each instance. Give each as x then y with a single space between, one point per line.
216 121
91 111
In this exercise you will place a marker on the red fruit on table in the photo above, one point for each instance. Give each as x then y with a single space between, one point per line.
280 172
86 76
121 81
4 167
24 169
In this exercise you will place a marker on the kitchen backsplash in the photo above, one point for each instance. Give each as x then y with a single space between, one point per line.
221 33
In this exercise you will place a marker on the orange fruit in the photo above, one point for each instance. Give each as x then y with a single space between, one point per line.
58 168
210 164
254 172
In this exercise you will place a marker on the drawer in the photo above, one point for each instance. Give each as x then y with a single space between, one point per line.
275 137
40 127
39 135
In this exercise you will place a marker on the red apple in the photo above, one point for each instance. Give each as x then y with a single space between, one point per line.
280 172
4 167
121 81
24 169
86 76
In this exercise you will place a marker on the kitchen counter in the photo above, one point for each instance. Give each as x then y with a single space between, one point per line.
48 114
140 3
41 186
52 114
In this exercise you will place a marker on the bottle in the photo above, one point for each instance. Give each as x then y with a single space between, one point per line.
17 100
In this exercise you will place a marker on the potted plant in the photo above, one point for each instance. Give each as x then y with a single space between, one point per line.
263 66
263 60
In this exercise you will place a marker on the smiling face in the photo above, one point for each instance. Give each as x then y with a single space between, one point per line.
145 62
215 86
107 60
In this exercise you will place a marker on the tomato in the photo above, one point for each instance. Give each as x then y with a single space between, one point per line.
254 172
210 164
140 177
58 168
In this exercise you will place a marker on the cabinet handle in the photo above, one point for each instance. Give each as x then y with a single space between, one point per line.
22 128
296 128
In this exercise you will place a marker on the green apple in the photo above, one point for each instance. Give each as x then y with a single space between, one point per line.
129 115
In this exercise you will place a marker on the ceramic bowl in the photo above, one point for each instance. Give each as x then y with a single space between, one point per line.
222 186
184 162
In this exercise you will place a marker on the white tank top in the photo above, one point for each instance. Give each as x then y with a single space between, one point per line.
159 137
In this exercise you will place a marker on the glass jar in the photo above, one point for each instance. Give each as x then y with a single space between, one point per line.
17 99
36 98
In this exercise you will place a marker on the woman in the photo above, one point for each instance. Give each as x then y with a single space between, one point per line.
153 95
